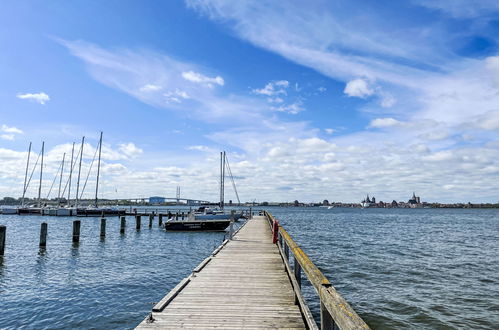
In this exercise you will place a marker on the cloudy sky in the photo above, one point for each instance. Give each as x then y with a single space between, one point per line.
312 100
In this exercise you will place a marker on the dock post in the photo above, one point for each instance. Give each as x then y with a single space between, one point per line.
231 226
43 235
103 227
327 321
137 222
76 231
3 230
182 215
123 225
251 214
160 220
151 218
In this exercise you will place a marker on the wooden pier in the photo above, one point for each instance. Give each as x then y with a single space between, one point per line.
248 283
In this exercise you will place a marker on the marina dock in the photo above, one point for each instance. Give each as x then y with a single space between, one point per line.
249 283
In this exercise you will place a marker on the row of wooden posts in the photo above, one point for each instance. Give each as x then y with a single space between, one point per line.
76 230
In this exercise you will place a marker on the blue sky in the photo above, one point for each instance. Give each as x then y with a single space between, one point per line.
312 100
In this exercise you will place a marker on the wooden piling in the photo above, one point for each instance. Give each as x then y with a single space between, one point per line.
231 225
123 225
43 235
137 222
151 218
103 227
3 232
160 220
76 231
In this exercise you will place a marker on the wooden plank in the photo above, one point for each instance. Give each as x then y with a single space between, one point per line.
242 285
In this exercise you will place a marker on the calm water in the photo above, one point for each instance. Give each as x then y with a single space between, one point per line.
421 268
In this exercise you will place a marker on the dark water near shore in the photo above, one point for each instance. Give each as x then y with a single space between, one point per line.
422 268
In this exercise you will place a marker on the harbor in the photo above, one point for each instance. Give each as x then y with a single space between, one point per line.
114 282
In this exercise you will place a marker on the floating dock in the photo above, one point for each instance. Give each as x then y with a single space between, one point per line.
248 283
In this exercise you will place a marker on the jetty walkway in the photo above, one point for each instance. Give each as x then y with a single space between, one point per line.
248 283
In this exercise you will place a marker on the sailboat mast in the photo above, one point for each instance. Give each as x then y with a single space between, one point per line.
26 175
79 172
60 179
70 174
223 180
41 176
98 169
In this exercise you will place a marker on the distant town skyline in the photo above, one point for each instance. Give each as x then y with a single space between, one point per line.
311 100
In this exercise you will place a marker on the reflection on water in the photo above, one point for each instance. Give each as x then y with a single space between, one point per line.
398 268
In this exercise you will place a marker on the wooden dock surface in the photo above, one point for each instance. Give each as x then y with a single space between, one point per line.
244 285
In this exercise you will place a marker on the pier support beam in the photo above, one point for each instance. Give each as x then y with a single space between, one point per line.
123 225
3 232
76 231
160 220
103 227
151 218
43 235
137 222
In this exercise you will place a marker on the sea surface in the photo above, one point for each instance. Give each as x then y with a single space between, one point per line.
398 268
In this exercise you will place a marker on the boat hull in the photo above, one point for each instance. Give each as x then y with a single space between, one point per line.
205 225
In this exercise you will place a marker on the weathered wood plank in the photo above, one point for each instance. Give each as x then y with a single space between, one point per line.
242 285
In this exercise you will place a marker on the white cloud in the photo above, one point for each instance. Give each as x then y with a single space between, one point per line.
10 132
384 122
150 88
275 100
41 97
273 88
329 131
130 149
358 88
202 148
388 101
292 108
322 89
12 129
184 88
9 137
176 96
202 79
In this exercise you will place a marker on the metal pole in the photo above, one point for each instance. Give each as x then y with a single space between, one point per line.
79 173
60 179
98 169
41 175
70 174
26 175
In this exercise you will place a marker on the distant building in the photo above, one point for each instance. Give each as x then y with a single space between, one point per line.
156 200
368 202
415 201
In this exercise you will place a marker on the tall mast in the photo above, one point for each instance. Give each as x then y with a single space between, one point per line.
60 179
70 174
222 179
41 175
26 175
98 169
79 173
